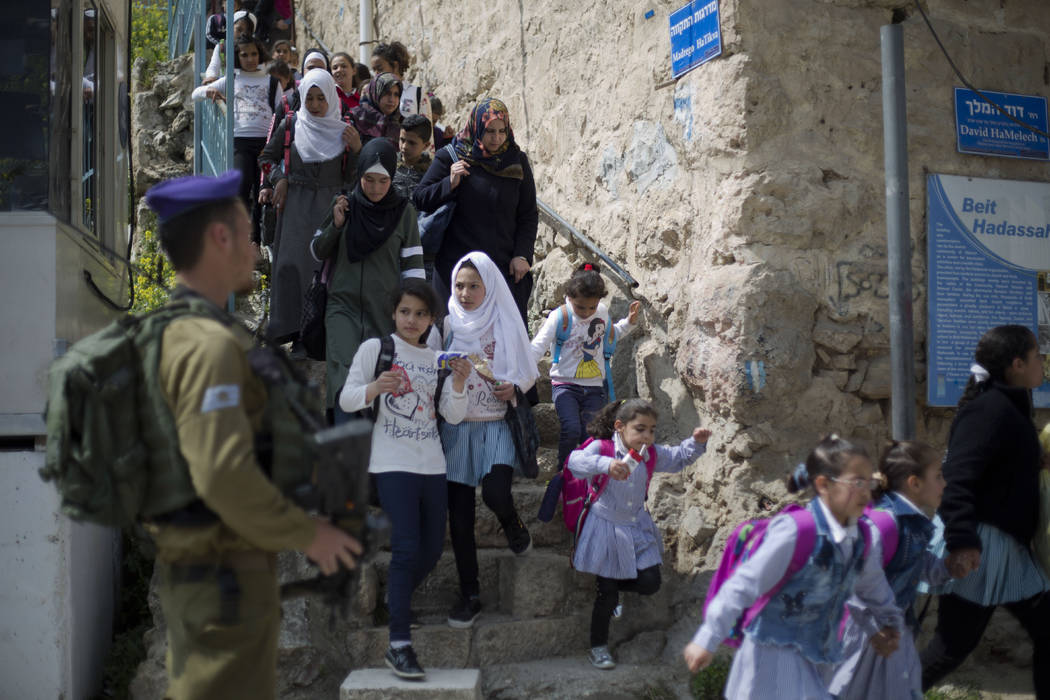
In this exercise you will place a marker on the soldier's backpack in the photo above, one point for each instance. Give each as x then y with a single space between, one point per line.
564 328
745 541
112 444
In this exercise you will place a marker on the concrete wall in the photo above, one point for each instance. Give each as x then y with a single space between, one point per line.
56 590
58 582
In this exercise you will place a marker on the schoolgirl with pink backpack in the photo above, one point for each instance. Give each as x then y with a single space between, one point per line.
784 598
617 540
908 497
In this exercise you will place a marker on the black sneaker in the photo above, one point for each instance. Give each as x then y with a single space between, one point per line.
518 538
464 612
403 663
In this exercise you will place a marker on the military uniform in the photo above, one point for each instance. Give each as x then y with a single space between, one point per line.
217 581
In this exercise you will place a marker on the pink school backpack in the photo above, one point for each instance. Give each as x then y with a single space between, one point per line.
888 533
578 495
744 541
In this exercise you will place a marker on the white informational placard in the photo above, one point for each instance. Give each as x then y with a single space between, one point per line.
988 245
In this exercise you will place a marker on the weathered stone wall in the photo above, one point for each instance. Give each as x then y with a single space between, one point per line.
747 198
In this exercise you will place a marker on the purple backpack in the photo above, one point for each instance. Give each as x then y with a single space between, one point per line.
888 533
744 541
578 495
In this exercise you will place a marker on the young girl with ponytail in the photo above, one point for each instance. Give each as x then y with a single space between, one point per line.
991 508
793 643
911 484
578 368
619 542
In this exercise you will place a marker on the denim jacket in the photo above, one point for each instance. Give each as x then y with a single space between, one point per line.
806 613
905 569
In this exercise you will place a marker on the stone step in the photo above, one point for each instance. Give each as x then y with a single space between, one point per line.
538 584
528 494
527 498
494 639
547 423
573 677
440 684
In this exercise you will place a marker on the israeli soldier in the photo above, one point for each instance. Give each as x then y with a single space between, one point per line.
217 561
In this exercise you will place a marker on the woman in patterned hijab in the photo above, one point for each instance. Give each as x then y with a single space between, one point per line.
379 113
504 160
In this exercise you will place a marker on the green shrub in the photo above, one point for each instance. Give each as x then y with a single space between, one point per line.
149 32
709 683
154 276
967 692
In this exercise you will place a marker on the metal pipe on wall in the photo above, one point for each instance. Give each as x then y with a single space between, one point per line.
898 232
367 35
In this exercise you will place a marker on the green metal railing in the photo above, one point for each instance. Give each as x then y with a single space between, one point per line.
212 122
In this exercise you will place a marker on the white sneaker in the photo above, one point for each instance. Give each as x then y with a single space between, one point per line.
601 657
618 611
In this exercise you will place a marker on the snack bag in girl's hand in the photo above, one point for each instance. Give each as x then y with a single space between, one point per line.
445 357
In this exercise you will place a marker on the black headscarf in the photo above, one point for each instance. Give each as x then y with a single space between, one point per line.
370 224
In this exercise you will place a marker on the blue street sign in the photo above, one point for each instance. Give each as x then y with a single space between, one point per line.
981 129
696 36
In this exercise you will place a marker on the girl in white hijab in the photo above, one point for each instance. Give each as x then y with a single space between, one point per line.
320 132
318 162
483 322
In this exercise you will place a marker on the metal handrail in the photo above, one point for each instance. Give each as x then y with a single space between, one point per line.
181 26
306 26
212 124
552 219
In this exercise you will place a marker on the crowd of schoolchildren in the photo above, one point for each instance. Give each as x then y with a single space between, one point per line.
819 599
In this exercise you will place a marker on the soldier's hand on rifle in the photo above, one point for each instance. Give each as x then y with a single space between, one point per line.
460 371
332 547
386 383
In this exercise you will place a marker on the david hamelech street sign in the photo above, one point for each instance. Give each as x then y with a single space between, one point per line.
983 130
696 36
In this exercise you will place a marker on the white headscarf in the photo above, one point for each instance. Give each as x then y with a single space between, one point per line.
318 139
513 361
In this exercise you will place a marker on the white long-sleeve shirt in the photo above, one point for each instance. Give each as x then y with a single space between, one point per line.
252 111
405 437
582 359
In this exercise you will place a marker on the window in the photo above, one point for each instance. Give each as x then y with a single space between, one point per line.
90 120
25 96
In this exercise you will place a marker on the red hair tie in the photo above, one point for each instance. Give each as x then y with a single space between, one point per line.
588 266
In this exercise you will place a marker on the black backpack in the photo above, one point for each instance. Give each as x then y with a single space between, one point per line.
383 363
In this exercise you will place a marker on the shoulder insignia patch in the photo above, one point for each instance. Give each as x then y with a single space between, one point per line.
221 396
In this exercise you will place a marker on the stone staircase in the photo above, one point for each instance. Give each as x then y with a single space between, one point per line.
531 640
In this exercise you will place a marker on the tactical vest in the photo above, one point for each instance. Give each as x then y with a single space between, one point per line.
112 444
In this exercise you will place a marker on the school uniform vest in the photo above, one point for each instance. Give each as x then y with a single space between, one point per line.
914 533
808 610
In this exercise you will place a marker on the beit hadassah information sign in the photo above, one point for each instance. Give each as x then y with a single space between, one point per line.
988 251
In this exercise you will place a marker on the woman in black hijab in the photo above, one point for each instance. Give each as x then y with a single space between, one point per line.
370 242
